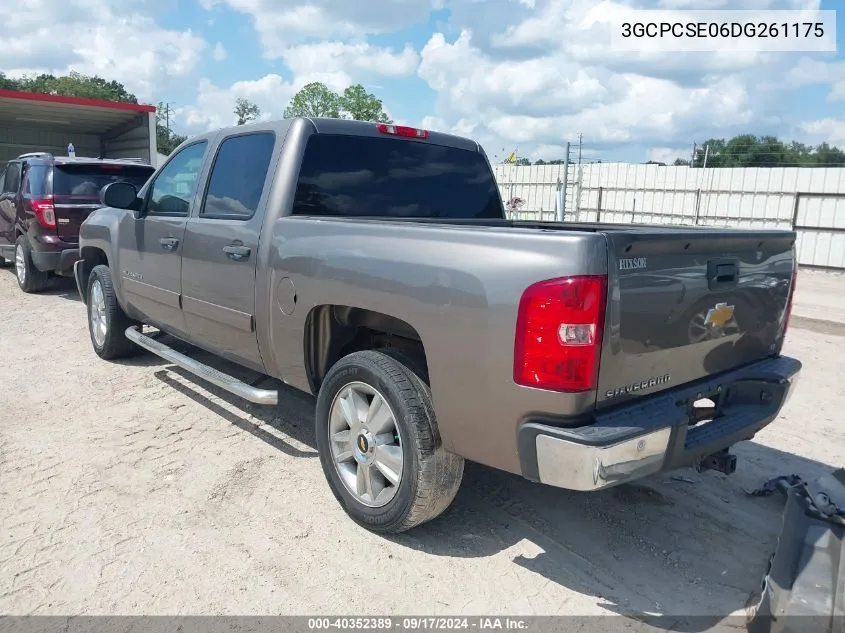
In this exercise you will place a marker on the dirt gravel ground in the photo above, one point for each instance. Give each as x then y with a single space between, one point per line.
126 488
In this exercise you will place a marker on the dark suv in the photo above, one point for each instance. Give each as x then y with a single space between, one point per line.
43 201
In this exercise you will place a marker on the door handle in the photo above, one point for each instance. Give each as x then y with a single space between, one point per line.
722 273
236 252
168 243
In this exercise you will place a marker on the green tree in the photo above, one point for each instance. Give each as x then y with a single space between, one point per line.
7 83
246 110
318 100
77 85
358 104
827 155
747 150
166 139
314 100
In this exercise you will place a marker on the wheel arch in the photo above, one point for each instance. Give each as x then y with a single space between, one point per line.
90 256
334 331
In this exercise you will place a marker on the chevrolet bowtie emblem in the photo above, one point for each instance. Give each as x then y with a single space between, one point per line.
719 316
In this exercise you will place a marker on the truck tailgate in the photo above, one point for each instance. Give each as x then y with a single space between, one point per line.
687 303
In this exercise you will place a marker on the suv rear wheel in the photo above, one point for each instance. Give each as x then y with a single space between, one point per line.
379 445
107 322
30 279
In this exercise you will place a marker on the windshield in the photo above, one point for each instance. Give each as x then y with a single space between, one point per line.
364 176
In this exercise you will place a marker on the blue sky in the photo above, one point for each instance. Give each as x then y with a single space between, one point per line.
526 74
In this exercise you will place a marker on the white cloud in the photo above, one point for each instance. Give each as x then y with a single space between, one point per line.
97 37
335 64
219 53
283 23
535 100
810 71
547 72
828 130
667 154
214 106
339 64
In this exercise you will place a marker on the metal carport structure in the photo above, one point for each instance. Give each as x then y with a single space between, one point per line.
33 122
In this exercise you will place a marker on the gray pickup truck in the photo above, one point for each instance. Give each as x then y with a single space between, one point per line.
373 266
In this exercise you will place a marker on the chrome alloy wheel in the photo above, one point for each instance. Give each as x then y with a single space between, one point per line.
366 446
99 321
20 264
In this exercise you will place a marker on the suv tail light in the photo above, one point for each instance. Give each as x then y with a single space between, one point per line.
401 130
788 312
45 212
558 334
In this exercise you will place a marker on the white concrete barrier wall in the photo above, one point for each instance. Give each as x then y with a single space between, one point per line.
810 199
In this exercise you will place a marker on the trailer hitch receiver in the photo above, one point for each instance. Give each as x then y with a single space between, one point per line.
722 462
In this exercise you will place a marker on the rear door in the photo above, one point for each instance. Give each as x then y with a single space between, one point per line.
221 247
150 248
688 304
76 190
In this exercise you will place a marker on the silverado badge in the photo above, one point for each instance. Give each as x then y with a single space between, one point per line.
719 316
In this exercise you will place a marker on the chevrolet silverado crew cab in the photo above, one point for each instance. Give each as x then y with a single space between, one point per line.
43 200
373 265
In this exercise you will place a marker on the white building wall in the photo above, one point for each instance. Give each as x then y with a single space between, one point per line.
810 199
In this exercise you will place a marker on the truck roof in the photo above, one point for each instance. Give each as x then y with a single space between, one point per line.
347 127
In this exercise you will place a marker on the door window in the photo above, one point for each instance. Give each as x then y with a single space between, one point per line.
238 176
12 181
175 185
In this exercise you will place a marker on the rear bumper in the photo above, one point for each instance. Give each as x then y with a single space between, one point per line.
59 262
654 434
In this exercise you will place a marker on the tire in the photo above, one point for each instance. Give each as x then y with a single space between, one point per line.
430 476
109 341
30 279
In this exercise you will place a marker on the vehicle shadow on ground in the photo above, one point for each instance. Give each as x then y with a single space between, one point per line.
692 545
658 546
62 287
293 418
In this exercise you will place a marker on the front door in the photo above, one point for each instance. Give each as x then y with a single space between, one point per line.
150 250
221 247
10 180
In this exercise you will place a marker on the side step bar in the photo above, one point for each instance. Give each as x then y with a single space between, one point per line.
224 381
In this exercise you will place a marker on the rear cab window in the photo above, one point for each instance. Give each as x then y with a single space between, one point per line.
360 176
87 180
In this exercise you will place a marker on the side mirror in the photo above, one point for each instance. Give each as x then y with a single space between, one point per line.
120 195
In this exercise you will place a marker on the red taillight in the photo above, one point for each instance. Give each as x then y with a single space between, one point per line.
401 130
788 312
558 334
45 212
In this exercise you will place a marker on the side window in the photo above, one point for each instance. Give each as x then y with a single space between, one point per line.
35 181
3 180
238 176
12 181
174 186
